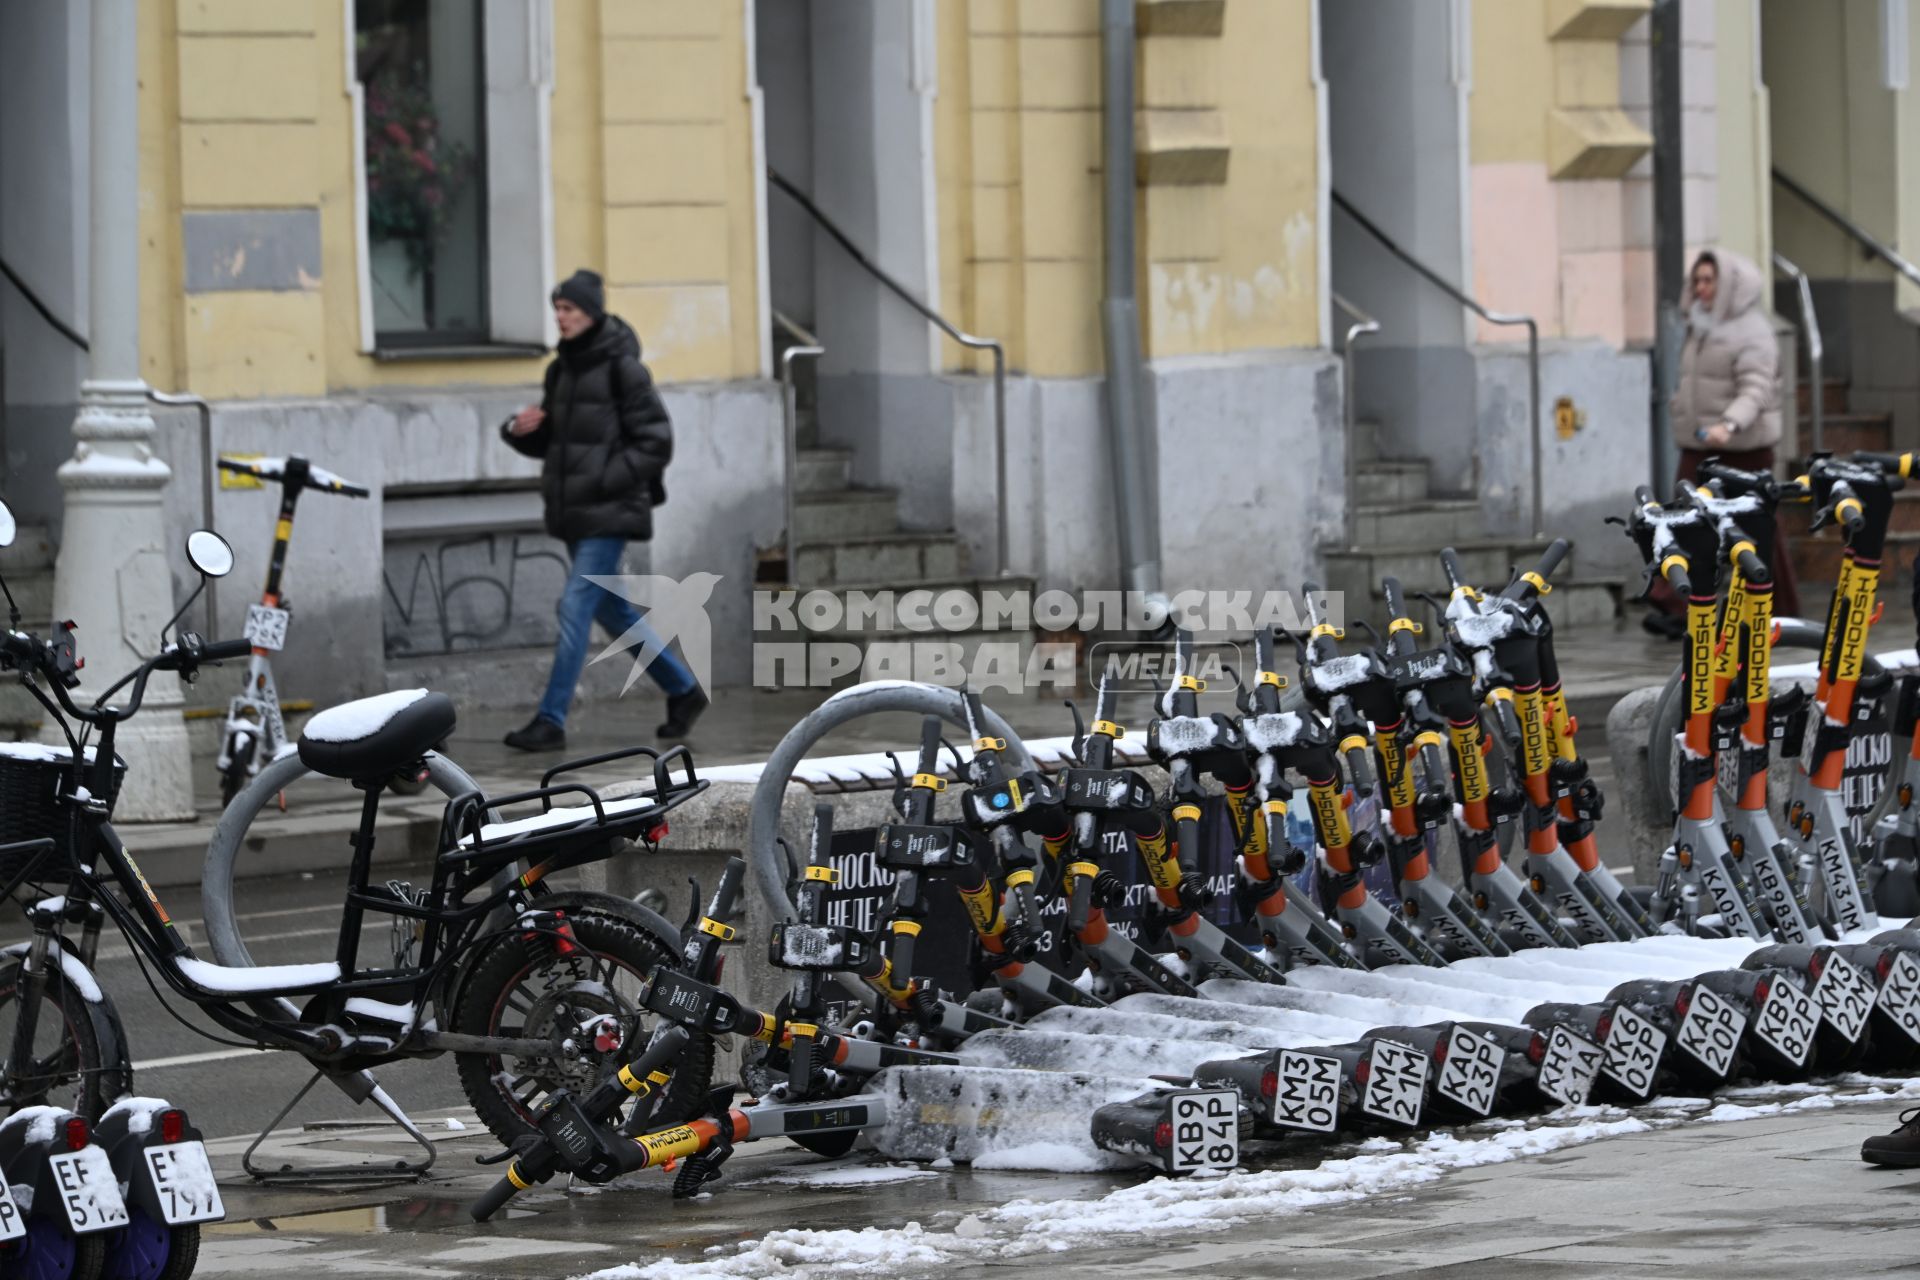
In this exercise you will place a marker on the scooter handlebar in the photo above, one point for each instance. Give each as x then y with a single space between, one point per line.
1531 584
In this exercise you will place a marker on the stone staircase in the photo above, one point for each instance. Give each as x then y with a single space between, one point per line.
1816 556
1399 527
849 541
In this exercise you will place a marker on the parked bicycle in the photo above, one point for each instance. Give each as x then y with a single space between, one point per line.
530 988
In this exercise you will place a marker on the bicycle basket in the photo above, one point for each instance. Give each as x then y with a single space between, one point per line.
31 779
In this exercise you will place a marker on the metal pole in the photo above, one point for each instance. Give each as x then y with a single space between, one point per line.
1002 561
1130 434
1533 420
1669 233
113 572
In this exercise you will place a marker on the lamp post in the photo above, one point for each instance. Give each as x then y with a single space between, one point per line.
113 577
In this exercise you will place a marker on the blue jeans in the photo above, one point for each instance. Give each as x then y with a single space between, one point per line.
584 603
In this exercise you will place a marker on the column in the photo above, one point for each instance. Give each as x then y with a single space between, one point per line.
114 577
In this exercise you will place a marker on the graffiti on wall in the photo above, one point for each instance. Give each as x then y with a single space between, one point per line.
466 592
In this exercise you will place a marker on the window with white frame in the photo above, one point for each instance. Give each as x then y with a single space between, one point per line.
455 194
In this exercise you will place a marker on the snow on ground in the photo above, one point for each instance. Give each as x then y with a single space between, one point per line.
1168 1207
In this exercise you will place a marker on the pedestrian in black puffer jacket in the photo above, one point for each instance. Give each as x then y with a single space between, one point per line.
605 441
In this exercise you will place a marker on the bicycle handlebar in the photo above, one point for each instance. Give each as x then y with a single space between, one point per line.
1450 561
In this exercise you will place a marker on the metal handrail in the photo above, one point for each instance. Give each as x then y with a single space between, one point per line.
1810 326
186 399
945 326
1362 326
1440 282
1866 239
806 347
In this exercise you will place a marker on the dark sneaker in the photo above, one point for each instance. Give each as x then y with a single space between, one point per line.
539 734
1901 1147
682 710
1665 625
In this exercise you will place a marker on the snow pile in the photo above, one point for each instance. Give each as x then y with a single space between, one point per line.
997 1118
1163 1208
361 718
225 981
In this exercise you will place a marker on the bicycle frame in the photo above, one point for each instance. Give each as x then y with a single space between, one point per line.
453 923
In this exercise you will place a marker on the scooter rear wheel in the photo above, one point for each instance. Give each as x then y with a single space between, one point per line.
50 1251
149 1250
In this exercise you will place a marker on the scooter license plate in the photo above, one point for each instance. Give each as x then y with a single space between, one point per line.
1307 1093
1206 1131
1571 1065
266 627
1845 996
12 1223
1471 1074
1396 1083
1634 1047
183 1183
1711 1030
1787 1022
1899 995
88 1192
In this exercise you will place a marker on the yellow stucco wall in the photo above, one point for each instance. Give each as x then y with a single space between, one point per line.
1224 266
1833 130
1548 150
245 106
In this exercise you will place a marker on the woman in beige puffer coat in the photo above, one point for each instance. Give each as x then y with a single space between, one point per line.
1727 404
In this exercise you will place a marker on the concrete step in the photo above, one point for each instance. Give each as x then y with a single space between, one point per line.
898 557
1573 602
1433 522
822 470
1487 563
1381 481
1833 396
1816 561
1842 433
840 513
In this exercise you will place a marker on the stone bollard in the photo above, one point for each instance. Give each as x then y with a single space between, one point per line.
1639 820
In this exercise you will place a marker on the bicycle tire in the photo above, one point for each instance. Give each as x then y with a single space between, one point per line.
83 1061
484 1005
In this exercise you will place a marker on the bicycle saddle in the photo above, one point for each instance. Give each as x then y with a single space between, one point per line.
369 738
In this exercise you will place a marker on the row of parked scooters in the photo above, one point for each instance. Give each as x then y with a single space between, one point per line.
124 1196
1466 739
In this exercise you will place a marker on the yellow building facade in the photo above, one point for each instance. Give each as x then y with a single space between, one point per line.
350 256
